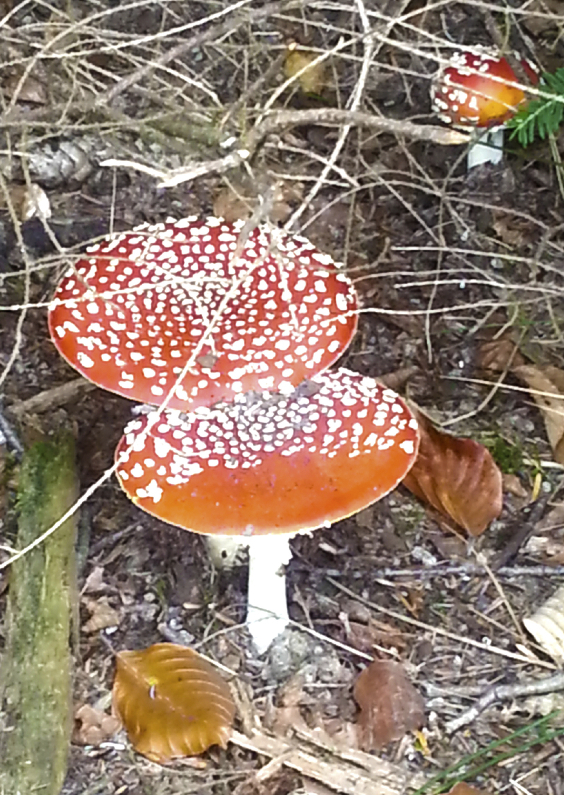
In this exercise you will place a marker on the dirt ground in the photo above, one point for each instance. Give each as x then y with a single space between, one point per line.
444 261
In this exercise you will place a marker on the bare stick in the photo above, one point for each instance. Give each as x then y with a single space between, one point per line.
348 772
328 117
52 398
503 693
208 34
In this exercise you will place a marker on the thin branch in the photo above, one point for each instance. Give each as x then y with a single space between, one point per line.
327 117
550 684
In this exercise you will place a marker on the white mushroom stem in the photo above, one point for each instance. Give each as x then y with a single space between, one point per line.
267 613
487 149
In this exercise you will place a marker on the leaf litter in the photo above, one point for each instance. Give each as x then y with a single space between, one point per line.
465 604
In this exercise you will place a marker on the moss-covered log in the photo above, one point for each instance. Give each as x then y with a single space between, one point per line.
35 680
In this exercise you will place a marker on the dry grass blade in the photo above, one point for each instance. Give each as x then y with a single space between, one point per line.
458 477
171 701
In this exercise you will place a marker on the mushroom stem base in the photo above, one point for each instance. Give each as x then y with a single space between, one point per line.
488 149
267 614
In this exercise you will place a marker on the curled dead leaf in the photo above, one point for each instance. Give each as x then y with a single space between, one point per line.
93 726
171 701
389 705
465 789
23 87
499 355
458 477
27 200
300 63
547 390
102 615
546 626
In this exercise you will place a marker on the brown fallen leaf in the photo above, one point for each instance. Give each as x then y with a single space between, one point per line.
23 87
93 726
390 706
499 355
465 789
512 485
310 76
365 637
546 625
237 201
27 200
102 615
547 390
458 477
514 231
171 701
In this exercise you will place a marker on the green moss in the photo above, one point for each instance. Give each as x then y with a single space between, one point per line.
508 455
36 670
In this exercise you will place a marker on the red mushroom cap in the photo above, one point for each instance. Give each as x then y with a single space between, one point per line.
131 313
271 464
464 93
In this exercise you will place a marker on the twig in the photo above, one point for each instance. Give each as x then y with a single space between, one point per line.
458 569
463 639
503 693
524 525
328 117
496 386
352 106
52 398
211 32
348 772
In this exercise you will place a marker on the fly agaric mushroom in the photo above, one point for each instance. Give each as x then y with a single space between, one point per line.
134 311
265 467
478 91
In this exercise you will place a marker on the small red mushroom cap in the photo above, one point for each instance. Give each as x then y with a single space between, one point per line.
473 90
271 464
133 312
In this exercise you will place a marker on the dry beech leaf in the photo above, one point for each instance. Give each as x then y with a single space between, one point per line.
389 705
512 485
499 355
465 789
28 201
102 615
458 477
25 88
312 79
546 626
514 231
236 202
35 203
171 701
547 390
93 726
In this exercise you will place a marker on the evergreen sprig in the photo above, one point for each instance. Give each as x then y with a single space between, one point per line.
541 117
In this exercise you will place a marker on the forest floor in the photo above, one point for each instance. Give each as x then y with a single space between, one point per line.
445 261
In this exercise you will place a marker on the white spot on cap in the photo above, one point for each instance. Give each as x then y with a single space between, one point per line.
85 360
153 492
407 446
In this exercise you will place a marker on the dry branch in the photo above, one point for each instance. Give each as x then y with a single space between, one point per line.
274 122
497 693
52 398
346 772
